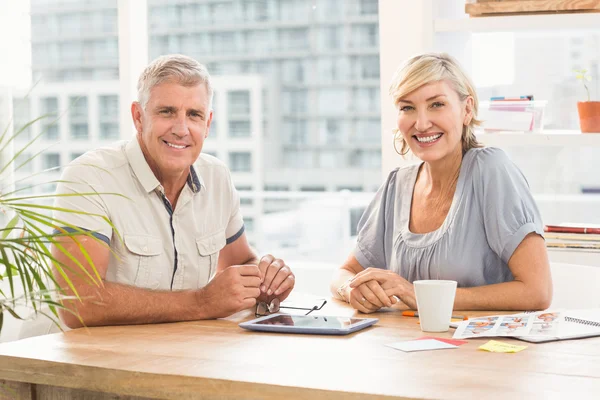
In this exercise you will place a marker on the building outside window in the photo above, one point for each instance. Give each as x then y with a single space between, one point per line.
240 162
238 102
79 131
50 160
244 200
239 129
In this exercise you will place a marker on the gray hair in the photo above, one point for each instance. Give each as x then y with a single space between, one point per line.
175 68
433 67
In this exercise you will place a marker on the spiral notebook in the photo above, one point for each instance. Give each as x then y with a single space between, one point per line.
577 324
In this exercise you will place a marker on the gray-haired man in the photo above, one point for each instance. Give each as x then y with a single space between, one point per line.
184 253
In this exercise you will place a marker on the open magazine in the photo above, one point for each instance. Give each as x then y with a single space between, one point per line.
538 324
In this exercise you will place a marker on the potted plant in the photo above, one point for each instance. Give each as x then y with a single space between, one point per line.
589 111
27 234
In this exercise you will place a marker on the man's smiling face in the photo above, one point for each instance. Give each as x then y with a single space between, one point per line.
172 127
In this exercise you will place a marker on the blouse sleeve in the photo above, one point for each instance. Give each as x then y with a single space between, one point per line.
375 230
509 210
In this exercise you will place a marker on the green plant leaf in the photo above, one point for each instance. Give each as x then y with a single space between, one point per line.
9 227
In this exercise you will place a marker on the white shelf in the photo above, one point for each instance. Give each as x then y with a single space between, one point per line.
546 138
555 22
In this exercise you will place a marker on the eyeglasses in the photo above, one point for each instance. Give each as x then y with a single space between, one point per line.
263 308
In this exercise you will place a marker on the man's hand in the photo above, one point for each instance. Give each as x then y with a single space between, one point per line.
391 283
277 279
234 289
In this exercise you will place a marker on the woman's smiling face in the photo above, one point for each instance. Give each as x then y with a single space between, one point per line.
431 120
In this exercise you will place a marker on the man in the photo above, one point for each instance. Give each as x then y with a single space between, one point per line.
169 236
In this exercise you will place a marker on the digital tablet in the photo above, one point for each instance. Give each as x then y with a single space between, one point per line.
318 325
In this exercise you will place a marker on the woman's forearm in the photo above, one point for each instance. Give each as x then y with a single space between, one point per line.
514 295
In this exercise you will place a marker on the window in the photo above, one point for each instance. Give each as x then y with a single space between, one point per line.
23 161
50 131
50 160
365 36
249 223
224 42
294 10
213 131
367 7
295 131
333 101
238 102
293 39
258 41
366 158
245 200
240 162
79 131
75 155
109 131
49 105
333 69
293 71
22 116
350 188
295 101
331 132
49 108
368 130
78 107
298 159
23 188
108 106
312 188
367 100
330 38
239 129
331 159
256 10
277 188
369 67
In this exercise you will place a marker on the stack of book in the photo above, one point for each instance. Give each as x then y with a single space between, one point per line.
573 236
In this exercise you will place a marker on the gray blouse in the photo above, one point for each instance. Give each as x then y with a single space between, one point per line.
491 213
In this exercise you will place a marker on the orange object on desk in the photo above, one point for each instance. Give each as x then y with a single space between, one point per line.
416 314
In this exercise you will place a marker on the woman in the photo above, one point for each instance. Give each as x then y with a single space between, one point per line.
465 213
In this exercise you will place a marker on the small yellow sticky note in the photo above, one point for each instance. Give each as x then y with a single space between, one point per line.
500 347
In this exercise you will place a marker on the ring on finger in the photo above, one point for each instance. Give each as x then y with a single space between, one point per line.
363 300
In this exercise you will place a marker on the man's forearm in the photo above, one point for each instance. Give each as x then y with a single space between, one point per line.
118 304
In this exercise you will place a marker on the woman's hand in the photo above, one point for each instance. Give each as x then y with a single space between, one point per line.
369 297
391 283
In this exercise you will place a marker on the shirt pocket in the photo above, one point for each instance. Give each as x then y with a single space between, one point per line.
208 255
143 258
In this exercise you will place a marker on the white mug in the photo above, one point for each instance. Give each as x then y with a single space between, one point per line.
435 301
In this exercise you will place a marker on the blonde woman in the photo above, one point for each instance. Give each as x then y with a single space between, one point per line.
464 213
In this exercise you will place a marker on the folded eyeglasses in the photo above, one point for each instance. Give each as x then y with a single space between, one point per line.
263 308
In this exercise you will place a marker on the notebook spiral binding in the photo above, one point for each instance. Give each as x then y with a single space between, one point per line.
582 321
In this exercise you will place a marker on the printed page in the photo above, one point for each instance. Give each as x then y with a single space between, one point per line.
543 323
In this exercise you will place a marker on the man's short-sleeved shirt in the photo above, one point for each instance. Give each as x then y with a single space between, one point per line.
154 246
491 213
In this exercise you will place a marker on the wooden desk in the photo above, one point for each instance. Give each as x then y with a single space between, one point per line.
217 359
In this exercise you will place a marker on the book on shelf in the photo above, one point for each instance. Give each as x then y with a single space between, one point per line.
575 245
572 237
574 228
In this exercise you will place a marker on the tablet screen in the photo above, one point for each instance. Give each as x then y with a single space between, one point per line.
309 321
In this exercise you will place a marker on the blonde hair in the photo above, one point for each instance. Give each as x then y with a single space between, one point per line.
432 67
175 68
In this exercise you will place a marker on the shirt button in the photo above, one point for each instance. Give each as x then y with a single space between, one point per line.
145 248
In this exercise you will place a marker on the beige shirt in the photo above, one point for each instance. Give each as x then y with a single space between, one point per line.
152 247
